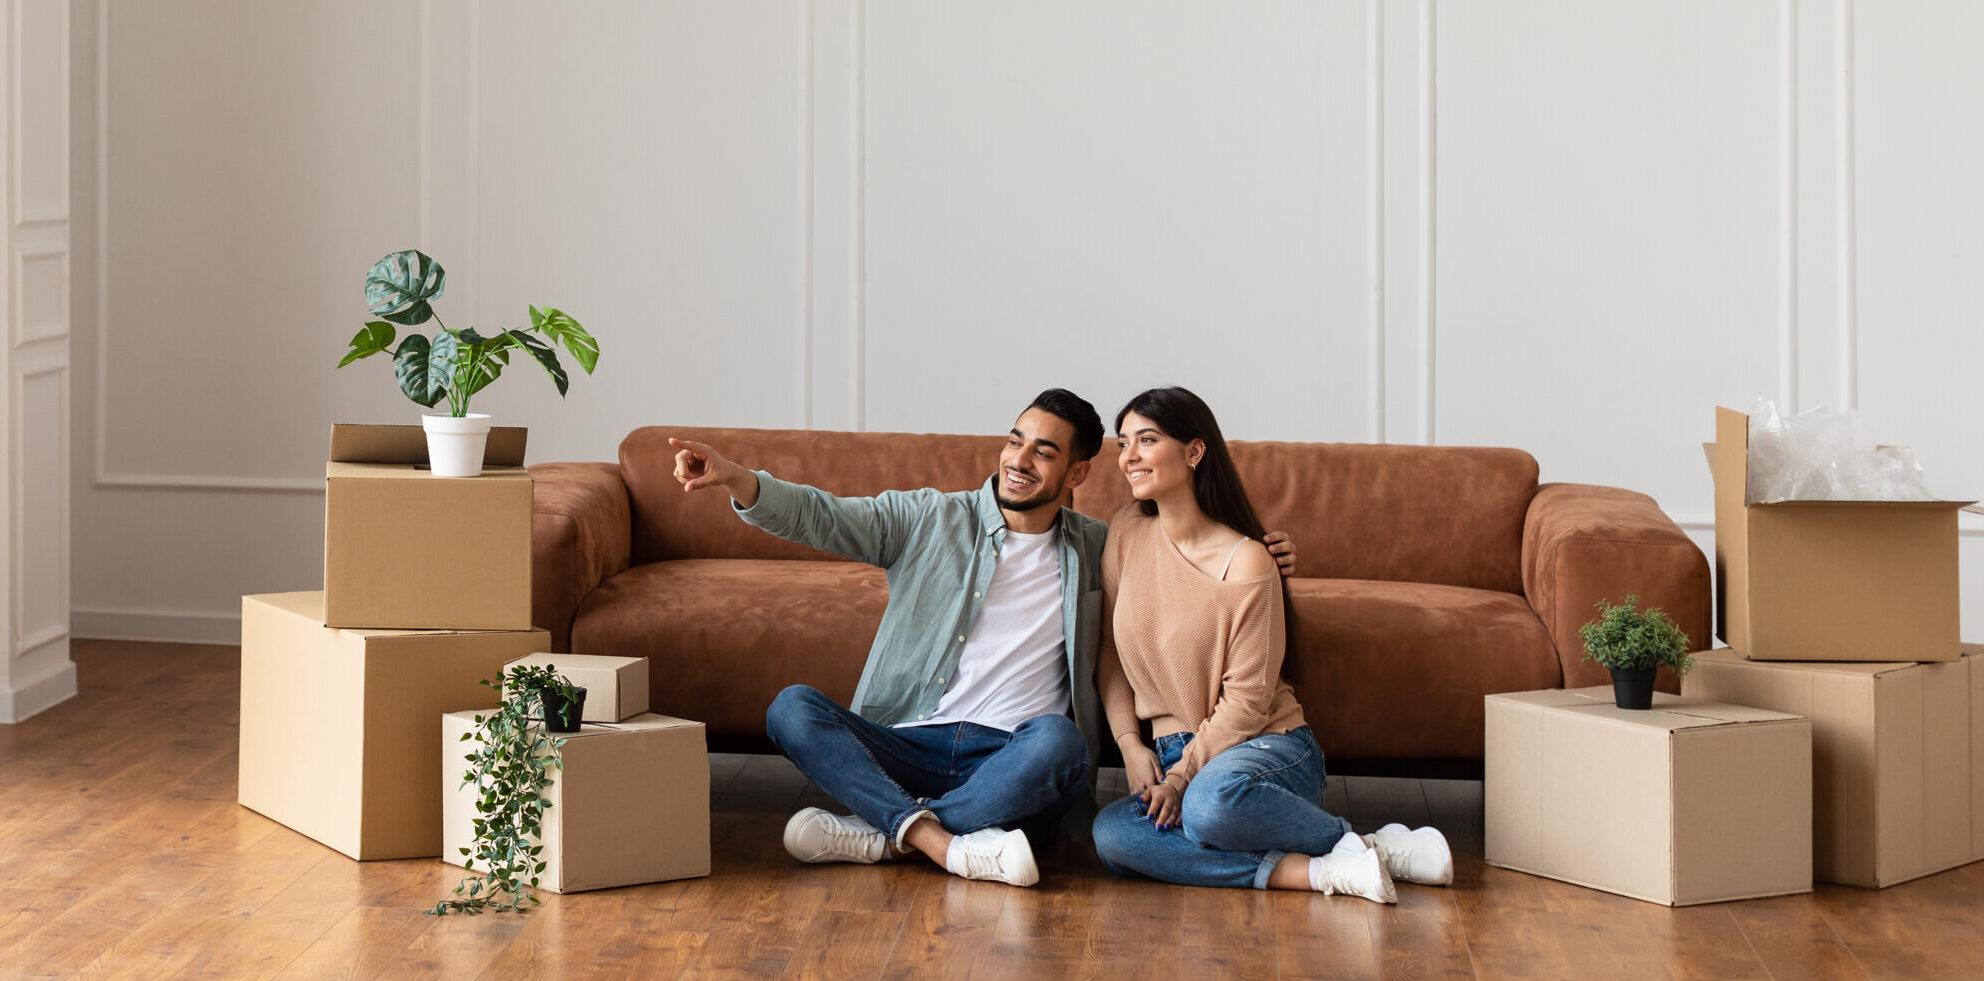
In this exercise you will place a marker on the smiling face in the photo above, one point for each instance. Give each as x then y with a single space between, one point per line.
1157 465
1038 461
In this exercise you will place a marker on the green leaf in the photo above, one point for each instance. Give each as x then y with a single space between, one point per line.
371 339
399 286
545 356
559 326
410 365
441 360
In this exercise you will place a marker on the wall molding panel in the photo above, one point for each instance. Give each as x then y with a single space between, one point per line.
35 670
846 215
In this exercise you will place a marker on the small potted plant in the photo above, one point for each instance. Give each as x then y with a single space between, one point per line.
510 768
1634 643
455 364
564 703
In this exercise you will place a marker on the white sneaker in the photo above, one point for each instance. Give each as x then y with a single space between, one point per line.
813 835
1350 871
995 854
1420 856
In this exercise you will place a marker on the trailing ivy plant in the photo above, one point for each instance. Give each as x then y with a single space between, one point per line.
454 364
510 768
1632 639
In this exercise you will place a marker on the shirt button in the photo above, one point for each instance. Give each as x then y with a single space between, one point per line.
960 638
976 595
940 681
919 717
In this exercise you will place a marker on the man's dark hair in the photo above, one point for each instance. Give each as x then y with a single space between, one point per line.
1079 414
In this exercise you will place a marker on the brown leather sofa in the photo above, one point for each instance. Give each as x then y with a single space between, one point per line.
1427 576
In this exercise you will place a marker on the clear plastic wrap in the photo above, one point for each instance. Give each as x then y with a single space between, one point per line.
1826 455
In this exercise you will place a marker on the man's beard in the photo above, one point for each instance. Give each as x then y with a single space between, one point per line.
1026 505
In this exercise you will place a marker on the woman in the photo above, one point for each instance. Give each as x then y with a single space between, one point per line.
1194 629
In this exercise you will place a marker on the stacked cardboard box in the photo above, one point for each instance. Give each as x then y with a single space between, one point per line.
630 804
426 593
616 687
1830 580
1897 757
1847 612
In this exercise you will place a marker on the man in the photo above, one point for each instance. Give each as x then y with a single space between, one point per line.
976 710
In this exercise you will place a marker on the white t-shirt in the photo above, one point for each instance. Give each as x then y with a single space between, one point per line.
1013 666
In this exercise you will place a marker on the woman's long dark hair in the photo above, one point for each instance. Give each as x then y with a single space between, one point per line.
1216 483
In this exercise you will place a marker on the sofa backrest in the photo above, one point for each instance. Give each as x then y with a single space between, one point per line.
1451 515
669 524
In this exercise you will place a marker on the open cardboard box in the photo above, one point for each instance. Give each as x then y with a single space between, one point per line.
405 549
1897 757
1690 802
340 729
1830 580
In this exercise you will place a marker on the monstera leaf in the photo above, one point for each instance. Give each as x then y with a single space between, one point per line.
371 339
485 360
414 365
544 355
401 284
559 326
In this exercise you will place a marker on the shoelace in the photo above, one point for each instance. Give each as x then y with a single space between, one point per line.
846 839
1397 861
982 865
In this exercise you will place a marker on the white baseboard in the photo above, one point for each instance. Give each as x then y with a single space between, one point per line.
176 628
47 691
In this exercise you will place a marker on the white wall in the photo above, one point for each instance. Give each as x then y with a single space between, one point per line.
1564 226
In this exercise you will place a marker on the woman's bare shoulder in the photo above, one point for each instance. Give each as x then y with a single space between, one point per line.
1252 561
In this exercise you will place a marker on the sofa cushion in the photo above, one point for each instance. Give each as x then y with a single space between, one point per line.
1398 670
1434 514
669 524
726 635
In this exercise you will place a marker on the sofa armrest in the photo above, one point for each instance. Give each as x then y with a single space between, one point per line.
581 534
1582 543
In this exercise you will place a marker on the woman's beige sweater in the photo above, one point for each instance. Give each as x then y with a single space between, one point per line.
1202 655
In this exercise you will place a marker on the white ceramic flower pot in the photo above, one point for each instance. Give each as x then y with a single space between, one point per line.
455 444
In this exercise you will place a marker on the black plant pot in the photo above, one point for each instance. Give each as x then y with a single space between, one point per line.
562 714
1632 688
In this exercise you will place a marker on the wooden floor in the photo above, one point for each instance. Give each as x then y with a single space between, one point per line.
123 855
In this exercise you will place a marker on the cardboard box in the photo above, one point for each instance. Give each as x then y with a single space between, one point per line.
616 687
339 728
1897 757
1690 802
1829 580
631 805
406 549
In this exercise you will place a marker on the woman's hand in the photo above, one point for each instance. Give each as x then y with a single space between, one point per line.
1139 764
1162 806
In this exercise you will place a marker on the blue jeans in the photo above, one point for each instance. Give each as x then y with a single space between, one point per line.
968 776
1248 807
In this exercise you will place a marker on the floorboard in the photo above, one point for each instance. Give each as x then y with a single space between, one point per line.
123 855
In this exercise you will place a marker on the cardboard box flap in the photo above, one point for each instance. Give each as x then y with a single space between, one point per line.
1863 669
639 722
1866 505
357 443
1670 713
310 606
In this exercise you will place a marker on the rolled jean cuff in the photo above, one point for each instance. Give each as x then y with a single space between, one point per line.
1268 861
902 829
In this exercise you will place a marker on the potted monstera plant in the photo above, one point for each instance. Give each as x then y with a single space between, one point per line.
452 363
1634 643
